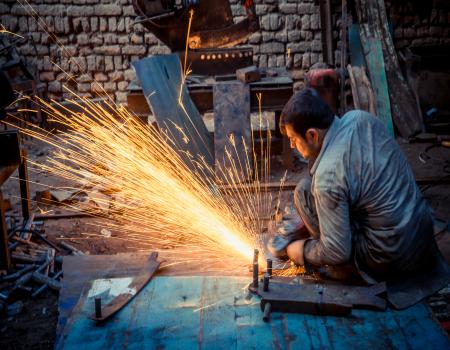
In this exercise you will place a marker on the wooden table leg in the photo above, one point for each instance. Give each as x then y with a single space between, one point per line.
5 258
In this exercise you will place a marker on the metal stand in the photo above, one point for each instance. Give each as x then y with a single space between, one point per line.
9 162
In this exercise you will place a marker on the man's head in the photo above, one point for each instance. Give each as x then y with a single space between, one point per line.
305 120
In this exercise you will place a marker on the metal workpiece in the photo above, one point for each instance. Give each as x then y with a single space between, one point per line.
136 285
316 298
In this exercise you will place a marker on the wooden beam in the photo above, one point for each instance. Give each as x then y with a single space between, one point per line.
384 69
5 258
327 31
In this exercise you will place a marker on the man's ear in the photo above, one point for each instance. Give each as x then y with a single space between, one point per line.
312 136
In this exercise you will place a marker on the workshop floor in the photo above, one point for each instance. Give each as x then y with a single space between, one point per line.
35 326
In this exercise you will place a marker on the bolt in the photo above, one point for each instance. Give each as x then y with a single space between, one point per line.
266 282
255 274
267 310
255 255
269 267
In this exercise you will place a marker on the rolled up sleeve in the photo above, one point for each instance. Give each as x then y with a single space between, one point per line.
335 243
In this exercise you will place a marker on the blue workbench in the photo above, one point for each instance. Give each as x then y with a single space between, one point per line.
216 313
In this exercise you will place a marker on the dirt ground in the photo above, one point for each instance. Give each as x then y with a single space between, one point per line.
34 327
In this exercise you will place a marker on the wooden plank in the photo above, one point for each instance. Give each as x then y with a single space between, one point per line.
363 96
356 51
5 257
161 80
327 31
216 313
343 101
232 130
377 73
406 116
384 70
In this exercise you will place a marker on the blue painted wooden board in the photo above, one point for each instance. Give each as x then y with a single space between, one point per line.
375 66
355 47
161 80
214 313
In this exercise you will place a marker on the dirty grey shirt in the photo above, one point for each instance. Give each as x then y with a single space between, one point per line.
369 207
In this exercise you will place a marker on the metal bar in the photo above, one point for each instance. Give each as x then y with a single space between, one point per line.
290 186
343 103
71 248
46 241
45 286
24 186
5 258
67 216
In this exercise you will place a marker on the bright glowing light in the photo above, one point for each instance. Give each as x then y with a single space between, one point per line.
153 198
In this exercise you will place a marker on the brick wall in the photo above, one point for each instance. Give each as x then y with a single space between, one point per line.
420 23
94 40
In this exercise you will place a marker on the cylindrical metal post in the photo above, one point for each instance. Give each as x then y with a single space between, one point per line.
255 256
98 307
266 282
255 274
267 310
269 267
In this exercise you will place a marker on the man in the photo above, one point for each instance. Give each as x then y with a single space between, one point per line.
360 204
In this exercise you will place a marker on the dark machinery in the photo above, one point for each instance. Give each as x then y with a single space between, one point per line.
213 26
212 54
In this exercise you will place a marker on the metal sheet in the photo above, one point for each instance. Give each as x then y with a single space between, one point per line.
215 313
232 129
161 80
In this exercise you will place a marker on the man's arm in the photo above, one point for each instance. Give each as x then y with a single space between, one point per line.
335 243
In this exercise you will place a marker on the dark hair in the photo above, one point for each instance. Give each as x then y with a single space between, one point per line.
305 110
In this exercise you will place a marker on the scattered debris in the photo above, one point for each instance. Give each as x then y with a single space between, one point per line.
35 265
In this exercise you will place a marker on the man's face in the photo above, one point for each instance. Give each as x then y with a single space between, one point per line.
308 146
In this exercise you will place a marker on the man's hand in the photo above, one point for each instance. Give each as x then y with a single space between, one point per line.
295 252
